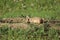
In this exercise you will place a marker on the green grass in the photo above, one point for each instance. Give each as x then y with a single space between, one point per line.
41 8
34 33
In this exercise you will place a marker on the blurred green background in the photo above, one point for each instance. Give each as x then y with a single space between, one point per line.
40 8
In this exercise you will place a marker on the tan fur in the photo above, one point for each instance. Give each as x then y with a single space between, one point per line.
35 20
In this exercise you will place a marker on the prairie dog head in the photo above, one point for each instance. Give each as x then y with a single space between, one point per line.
36 20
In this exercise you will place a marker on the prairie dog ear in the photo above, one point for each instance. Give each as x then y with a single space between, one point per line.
27 19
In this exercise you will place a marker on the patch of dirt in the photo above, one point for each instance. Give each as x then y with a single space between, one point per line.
56 27
19 25
15 25
12 20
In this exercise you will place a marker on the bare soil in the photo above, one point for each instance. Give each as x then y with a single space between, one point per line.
15 25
